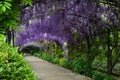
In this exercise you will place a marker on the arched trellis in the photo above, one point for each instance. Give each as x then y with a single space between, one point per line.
32 43
31 40
51 28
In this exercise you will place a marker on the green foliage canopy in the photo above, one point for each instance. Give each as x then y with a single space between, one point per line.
9 13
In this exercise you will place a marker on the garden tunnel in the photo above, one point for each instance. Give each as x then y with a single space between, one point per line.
43 30
36 44
37 28
42 44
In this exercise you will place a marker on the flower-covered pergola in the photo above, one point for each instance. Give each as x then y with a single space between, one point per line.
60 20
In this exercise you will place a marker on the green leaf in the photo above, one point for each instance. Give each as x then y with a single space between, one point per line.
27 2
1 5
8 7
1 69
3 8
8 0
8 4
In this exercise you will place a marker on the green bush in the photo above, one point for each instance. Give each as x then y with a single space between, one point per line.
62 61
98 76
68 64
56 60
81 66
102 76
38 54
12 64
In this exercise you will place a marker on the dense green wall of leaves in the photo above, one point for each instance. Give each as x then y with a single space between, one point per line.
12 64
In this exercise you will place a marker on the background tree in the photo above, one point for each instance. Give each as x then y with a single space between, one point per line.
9 16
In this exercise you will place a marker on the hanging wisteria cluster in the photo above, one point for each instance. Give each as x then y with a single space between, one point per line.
49 28
58 20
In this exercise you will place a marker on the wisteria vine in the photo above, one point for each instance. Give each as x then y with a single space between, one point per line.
58 20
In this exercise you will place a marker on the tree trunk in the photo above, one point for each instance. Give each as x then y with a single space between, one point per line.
8 36
109 54
12 34
89 51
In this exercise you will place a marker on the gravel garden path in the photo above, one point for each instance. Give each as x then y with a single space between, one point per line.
48 71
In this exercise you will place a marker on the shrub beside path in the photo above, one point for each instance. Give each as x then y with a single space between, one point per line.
47 71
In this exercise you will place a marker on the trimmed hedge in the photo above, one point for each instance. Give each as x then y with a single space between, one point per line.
12 64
